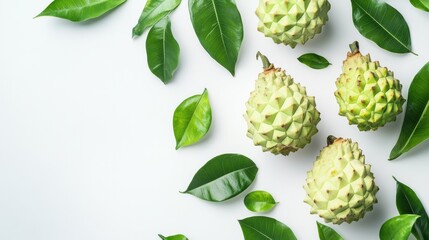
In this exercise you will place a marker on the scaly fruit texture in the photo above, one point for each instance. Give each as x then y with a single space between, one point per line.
340 187
368 94
280 116
292 21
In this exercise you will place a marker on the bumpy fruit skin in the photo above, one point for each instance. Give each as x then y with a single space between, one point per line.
280 116
368 94
340 187
292 21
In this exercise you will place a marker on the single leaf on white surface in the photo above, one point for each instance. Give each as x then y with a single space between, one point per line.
223 177
79 10
192 120
421 4
219 28
415 128
259 201
383 24
174 237
153 12
162 51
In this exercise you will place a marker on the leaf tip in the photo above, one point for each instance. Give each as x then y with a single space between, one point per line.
395 178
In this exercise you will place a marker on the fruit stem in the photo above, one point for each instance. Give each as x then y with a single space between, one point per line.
266 63
354 47
331 139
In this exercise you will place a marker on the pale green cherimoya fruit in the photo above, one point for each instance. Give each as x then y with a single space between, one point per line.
368 94
292 22
281 118
340 187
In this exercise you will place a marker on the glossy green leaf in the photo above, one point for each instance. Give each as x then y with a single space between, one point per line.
192 120
314 61
407 202
219 28
79 10
421 4
174 237
223 177
259 201
265 228
153 12
398 228
415 128
327 233
383 24
162 51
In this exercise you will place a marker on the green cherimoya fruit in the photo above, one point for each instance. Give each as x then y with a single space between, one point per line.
280 116
340 187
292 21
368 94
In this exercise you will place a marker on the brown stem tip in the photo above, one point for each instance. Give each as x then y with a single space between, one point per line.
354 47
331 139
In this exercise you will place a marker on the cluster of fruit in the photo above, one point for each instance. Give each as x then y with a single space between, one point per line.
282 118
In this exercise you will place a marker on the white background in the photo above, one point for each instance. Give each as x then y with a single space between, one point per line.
86 139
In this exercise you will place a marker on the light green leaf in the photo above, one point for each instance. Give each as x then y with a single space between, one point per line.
223 177
314 61
192 120
162 50
421 4
259 201
79 10
153 12
174 237
415 128
265 228
383 24
219 28
398 228
327 233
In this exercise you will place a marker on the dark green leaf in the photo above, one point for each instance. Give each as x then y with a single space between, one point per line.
153 12
265 228
79 10
192 119
314 61
383 24
398 228
327 233
415 128
223 177
259 201
162 50
407 202
219 28
174 237
421 4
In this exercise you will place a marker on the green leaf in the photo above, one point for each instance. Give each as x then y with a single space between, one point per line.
162 50
174 237
265 228
327 233
314 61
153 12
383 24
192 120
421 4
259 201
223 177
407 202
398 228
219 28
80 10
415 128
